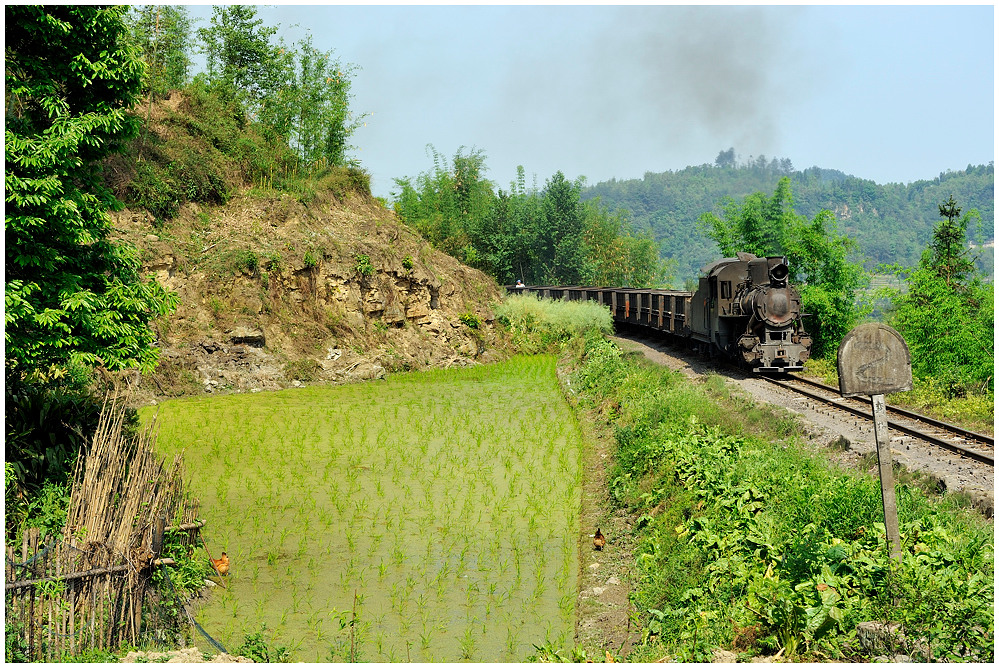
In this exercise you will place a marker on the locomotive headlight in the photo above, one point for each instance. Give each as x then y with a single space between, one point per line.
778 275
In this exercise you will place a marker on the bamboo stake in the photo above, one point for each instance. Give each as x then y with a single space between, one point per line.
30 625
72 620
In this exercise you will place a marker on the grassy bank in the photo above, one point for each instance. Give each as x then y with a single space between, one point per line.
432 516
932 397
750 544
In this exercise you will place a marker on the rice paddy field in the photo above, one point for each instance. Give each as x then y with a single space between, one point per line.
433 516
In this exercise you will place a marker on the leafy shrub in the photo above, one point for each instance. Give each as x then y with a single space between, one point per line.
46 427
272 261
362 265
470 320
755 544
343 181
256 647
16 649
149 191
169 177
311 260
407 262
47 509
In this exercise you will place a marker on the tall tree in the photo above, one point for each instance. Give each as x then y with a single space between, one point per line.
560 237
817 254
947 314
324 123
239 55
617 256
949 255
162 34
447 204
71 292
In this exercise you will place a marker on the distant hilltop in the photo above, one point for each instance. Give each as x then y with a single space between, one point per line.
891 223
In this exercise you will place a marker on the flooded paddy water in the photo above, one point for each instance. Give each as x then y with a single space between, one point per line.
432 516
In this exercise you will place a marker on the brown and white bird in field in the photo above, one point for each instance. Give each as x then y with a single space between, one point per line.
598 540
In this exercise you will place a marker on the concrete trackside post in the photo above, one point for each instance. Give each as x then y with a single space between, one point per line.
873 360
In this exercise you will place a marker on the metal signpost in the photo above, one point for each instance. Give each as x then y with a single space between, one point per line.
873 360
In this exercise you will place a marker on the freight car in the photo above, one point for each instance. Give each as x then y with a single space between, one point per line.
743 309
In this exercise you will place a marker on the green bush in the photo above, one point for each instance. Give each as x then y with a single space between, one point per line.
470 320
167 178
46 428
256 647
756 544
538 325
362 265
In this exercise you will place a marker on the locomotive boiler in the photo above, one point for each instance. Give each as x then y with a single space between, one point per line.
743 309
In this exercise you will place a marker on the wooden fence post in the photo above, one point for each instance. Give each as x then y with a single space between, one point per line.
156 542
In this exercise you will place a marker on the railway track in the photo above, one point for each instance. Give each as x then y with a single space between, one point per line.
979 447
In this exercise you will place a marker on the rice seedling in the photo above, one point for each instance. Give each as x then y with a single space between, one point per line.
415 489
467 645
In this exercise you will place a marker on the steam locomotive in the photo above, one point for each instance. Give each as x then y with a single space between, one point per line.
744 309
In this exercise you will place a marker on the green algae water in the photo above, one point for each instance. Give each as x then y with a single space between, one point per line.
432 516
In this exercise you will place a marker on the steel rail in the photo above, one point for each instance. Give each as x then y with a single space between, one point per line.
904 412
840 402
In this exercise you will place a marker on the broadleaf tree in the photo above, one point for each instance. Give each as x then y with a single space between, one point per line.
817 254
537 235
71 291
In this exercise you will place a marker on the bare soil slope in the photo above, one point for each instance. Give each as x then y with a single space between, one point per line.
275 291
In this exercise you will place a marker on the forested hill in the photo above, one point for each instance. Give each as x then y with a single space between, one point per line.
892 223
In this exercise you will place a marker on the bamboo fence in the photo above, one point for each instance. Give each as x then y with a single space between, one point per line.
86 588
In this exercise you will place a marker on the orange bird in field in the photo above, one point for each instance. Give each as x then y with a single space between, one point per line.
221 564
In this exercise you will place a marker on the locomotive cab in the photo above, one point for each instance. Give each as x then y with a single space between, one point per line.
715 307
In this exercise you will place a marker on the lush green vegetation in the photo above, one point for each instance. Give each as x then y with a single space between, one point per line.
750 543
264 113
73 297
787 549
536 325
817 255
81 134
432 516
891 223
71 293
947 314
543 237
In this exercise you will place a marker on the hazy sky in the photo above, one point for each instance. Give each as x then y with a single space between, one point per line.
888 93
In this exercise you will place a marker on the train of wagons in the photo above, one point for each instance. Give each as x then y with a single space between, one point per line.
744 309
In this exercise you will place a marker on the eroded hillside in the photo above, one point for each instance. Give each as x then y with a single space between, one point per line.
275 292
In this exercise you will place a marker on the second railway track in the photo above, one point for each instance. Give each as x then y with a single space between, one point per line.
979 447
